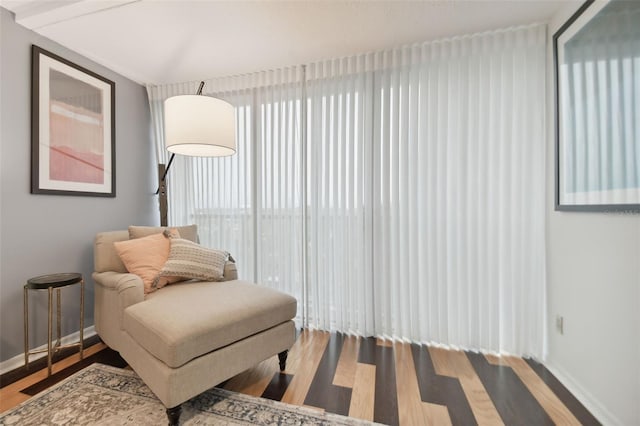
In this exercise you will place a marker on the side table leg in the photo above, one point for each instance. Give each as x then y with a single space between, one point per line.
58 315
26 327
50 331
81 318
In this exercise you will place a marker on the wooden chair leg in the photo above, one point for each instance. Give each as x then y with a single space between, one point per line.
173 414
282 357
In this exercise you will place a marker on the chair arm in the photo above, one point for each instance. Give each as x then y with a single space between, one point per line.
129 287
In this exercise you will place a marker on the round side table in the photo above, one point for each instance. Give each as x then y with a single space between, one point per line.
49 283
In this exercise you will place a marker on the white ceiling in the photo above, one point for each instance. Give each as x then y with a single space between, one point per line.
163 41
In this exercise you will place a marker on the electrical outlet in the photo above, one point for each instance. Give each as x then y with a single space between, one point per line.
560 324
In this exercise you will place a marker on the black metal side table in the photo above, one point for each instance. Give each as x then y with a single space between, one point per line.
49 283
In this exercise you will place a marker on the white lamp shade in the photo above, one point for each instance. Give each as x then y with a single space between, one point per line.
199 126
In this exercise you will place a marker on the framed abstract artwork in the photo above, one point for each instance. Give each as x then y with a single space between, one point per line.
597 57
72 129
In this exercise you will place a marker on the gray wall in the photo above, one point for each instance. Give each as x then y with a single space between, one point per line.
593 264
42 234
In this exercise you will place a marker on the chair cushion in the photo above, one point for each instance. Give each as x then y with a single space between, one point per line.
146 257
181 322
105 257
190 260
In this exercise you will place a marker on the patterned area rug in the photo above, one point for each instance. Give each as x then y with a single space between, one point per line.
104 395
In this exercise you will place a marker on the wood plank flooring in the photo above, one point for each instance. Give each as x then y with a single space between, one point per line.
379 380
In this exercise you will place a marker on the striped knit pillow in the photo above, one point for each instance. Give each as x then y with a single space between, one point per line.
190 260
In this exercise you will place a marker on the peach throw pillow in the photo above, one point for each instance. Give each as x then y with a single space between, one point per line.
145 257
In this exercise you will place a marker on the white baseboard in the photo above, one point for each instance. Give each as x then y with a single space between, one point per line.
606 417
18 360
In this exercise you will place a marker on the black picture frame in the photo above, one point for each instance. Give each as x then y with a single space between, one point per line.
73 124
577 21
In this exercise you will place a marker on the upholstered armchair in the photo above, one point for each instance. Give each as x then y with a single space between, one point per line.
186 337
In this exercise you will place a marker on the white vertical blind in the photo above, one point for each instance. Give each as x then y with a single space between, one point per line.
278 166
397 193
339 95
458 210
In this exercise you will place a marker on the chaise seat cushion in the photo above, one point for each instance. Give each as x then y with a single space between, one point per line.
184 321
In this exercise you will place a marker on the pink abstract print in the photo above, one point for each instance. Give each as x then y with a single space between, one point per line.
76 126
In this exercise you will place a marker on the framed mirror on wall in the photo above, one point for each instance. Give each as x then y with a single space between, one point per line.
597 82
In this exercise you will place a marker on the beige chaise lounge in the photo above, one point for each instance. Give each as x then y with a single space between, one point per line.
187 337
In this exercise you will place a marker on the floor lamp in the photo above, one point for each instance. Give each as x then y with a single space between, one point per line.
195 126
